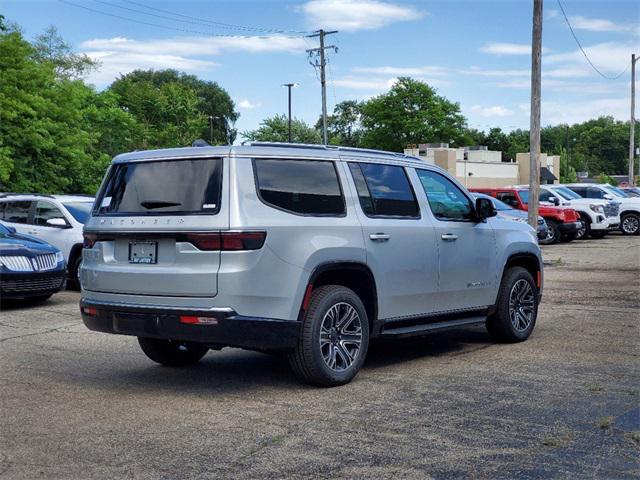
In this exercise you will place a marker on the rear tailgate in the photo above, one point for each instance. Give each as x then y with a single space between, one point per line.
156 228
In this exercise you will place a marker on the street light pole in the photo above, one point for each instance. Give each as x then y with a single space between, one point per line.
289 87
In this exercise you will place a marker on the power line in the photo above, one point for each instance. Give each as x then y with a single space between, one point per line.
585 53
157 25
220 24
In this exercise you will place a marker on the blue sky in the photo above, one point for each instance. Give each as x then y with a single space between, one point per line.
473 52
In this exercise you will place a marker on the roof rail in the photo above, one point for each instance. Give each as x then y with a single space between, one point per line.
14 194
327 147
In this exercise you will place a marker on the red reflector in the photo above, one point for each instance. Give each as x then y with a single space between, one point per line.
89 240
307 297
539 279
90 311
193 320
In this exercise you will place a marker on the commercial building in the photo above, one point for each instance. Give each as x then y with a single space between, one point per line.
477 167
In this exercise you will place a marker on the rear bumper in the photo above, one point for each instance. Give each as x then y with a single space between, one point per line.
225 329
33 284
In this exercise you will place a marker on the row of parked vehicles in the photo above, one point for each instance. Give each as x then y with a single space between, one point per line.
312 251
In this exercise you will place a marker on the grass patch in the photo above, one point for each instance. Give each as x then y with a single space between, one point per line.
556 441
595 388
605 423
634 437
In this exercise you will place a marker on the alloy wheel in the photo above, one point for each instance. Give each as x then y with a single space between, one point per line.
630 224
521 305
340 336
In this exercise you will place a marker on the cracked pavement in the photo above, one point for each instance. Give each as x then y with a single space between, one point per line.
80 404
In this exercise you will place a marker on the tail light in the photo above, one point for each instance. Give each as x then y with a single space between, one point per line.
89 240
194 320
227 241
90 311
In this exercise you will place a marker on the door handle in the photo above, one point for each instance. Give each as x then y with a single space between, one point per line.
379 237
449 237
32 233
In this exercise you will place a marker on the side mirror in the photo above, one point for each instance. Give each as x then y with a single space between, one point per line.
555 200
485 209
608 196
57 222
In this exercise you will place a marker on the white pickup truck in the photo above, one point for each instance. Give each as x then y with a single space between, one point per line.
599 216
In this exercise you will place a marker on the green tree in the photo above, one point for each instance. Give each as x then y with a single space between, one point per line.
343 127
51 47
410 113
276 129
175 108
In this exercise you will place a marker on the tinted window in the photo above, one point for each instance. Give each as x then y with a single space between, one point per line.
545 196
582 191
566 193
594 193
508 198
616 191
46 211
16 212
499 205
167 187
384 190
446 200
307 187
79 210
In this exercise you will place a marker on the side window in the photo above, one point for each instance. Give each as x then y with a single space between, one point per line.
580 191
308 187
46 211
594 193
384 190
446 200
508 198
545 196
17 212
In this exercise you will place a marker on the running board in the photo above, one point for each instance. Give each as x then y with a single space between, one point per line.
432 327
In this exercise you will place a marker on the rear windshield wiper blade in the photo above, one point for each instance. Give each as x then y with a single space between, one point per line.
151 204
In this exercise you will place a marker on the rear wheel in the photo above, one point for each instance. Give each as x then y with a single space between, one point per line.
630 224
553 233
516 308
334 338
172 353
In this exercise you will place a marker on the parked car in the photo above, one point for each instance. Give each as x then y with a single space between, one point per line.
599 217
629 206
563 223
631 191
56 219
509 213
29 268
310 250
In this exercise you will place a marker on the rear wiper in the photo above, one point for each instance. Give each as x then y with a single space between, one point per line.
151 204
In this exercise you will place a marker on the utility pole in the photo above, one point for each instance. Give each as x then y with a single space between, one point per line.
322 63
289 87
632 146
534 133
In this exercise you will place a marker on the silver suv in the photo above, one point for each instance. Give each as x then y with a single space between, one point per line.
310 250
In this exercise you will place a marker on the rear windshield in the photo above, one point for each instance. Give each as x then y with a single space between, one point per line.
173 187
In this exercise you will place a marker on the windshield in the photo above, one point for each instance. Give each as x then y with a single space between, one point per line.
565 193
174 187
4 231
524 196
79 210
616 191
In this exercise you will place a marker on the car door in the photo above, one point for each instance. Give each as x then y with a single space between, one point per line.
55 235
16 214
399 241
467 254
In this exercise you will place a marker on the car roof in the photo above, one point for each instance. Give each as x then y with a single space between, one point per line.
275 150
62 198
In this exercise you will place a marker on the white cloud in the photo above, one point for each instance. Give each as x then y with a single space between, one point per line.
556 112
598 25
611 57
497 48
247 104
401 71
352 15
378 84
493 111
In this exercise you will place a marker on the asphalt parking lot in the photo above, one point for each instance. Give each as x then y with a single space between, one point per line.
79 404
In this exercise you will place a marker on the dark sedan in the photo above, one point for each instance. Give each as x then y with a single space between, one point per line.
29 268
505 211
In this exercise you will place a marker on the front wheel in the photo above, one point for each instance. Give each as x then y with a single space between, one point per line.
630 224
584 231
172 353
553 233
516 308
334 338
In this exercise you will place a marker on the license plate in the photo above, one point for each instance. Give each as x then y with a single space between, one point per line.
143 252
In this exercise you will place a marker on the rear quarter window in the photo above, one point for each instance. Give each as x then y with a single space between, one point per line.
303 187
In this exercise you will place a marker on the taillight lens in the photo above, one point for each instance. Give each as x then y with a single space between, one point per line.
90 311
227 241
89 240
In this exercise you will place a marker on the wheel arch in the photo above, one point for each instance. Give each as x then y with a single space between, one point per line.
75 251
354 275
529 262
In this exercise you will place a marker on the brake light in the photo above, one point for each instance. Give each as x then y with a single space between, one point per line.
89 240
227 241
90 311
194 320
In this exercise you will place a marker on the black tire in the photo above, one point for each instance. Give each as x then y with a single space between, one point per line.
172 353
598 234
630 224
308 359
500 325
583 233
553 233
74 271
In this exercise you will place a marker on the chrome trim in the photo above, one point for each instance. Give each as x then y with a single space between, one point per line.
106 303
